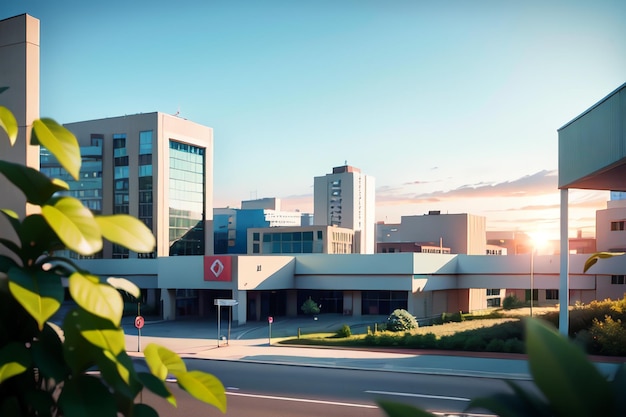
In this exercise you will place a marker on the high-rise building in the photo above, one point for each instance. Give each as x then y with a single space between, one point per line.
153 166
346 198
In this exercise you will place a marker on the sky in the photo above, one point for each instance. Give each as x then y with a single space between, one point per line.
450 105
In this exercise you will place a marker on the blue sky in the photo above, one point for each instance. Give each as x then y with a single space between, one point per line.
450 105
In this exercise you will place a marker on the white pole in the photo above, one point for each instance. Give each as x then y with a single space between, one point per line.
532 278
219 321
564 275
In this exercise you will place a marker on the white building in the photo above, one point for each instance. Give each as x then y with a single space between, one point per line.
346 198
611 227
461 233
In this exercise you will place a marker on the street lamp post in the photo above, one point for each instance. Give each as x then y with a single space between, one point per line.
532 278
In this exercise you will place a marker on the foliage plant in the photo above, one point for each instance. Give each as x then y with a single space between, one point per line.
569 384
80 368
344 331
401 320
310 307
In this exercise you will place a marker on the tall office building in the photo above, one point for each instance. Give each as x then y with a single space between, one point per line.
346 198
19 87
153 166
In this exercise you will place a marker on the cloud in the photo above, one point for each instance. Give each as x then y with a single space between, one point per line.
540 183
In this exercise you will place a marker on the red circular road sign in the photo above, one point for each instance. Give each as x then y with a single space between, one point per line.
139 321
270 319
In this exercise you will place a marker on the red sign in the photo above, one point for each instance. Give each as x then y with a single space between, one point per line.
270 319
139 321
217 268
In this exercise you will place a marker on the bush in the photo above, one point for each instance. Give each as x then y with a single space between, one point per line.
609 337
310 307
400 321
511 301
452 317
344 331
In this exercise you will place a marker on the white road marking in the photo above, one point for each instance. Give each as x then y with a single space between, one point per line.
302 400
408 394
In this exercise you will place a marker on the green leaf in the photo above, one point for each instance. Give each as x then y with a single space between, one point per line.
127 231
37 238
14 359
60 142
13 218
394 409
74 224
123 284
569 381
157 386
48 354
41 293
99 299
79 354
8 123
162 361
593 259
85 395
204 387
618 385
111 340
36 187
119 373
7 263
143 410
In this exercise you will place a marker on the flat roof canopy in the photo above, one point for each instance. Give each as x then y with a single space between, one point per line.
592 147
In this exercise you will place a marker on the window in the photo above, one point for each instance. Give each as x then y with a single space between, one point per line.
552 294
494 291
618 225
617 279
255 237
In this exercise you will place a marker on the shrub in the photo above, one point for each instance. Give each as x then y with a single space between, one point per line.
310 307
609 337
401 320
452 317
511 302
344 331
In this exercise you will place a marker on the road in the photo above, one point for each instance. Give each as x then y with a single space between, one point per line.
279 390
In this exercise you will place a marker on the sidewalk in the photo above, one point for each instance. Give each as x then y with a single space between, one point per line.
198 339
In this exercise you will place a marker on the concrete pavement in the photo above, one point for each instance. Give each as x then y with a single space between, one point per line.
198 339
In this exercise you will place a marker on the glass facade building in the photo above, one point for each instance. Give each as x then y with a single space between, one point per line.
187 199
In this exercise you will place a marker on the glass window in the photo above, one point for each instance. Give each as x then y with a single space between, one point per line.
145 142
255 237
307 236
187 199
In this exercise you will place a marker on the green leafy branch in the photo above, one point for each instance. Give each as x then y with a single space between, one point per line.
43 368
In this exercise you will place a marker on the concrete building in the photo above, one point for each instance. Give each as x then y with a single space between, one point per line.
461 233
19 92
592 155
346 198
611 227
154 166
300 239
231 225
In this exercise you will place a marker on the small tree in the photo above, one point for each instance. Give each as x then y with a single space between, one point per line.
401 320
46 370
310 307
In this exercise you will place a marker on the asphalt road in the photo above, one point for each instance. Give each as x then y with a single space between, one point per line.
257 389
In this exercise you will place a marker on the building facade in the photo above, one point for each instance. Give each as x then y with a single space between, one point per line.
459 233
300 239
153 166
346 198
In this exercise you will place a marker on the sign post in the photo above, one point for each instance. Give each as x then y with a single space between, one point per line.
270 320
139 322
219 302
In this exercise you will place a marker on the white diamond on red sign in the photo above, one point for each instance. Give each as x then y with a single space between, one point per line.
217 268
